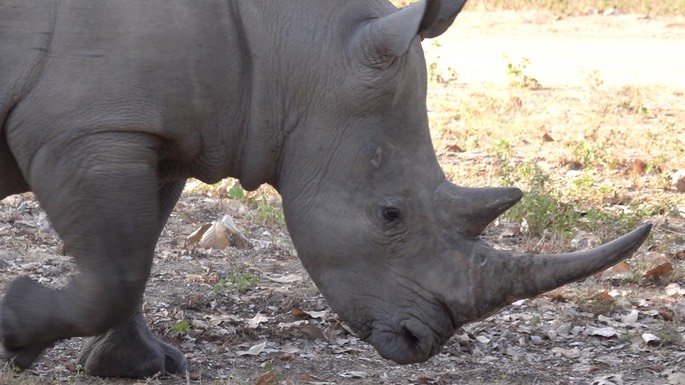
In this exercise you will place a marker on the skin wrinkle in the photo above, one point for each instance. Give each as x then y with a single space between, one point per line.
365 325
35 70
426 299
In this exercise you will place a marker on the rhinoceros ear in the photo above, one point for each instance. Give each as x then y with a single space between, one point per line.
447 11
391 35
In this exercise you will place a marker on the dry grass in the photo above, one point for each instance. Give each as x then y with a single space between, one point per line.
594 158
653 8
671 7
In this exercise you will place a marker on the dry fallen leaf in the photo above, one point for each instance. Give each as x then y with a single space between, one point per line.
661 271
284 278
309 379
309 313
354 374
254 322
267 378
604 296
196 235
650 339
621 270
546 137
252 351
482 339
221 234
235 235
566 353
313 333
454 148
639 166
611 379
665 314
680 254
216 237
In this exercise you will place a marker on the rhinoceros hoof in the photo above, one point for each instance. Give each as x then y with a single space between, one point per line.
21 358
15 346
143 356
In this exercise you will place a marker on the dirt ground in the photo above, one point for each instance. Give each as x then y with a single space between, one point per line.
280 330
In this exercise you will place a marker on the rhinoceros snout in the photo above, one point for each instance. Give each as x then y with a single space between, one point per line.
411 343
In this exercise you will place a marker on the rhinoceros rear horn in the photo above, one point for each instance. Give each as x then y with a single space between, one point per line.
468 211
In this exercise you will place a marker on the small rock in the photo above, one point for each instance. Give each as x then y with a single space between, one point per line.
612 379
567 353
630 318
678 180
679 310
677 378
483 339
673 289
612 12
607 332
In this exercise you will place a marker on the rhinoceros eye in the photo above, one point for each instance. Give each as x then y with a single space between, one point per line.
392 214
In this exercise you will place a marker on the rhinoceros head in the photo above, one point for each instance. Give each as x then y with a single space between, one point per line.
387 239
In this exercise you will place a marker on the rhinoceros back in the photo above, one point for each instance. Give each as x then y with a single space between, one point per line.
169 68
25 28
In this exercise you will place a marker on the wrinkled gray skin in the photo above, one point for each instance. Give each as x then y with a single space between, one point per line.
106 107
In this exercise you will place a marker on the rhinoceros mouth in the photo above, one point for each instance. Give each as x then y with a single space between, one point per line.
410 342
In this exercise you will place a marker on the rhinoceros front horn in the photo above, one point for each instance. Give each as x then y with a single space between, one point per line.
502 278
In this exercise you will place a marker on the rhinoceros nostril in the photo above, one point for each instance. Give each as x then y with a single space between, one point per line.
412 341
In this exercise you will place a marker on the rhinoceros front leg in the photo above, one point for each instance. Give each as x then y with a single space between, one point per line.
101 193
130 349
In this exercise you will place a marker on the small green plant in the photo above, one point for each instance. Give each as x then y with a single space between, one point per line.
76 378
242 282
268 374
595 302
180 328
219 286
592 78
633 101
236 191
267 212
518 75
582 184
541 208
536 320
441 75
239 281
584 152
